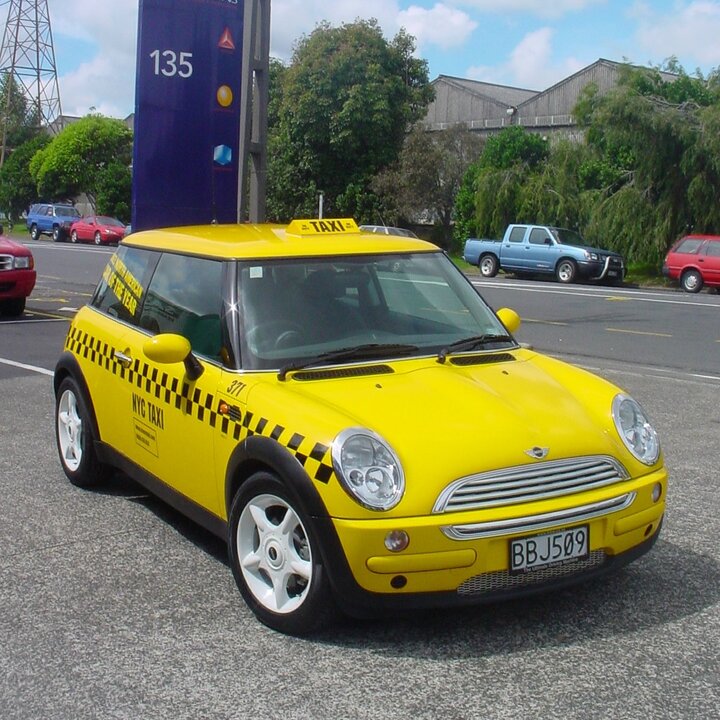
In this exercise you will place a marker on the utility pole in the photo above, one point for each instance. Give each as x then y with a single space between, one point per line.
27 64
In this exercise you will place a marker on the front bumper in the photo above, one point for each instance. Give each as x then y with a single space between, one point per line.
439 568
16 283
611 268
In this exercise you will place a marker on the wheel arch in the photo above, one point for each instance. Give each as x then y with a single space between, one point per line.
257 453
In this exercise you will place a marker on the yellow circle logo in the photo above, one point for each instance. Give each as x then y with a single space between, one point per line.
224 96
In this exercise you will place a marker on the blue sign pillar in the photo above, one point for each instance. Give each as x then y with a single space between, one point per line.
187 112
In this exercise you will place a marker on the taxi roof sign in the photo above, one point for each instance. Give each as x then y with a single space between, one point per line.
322 227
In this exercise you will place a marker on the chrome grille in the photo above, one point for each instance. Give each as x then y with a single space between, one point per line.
6 262
526 483
503 580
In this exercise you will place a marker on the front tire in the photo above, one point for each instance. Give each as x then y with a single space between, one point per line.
691 281
276 560
57 234
566 271
34 232
489 266
98 238
75 437
73 236
12 308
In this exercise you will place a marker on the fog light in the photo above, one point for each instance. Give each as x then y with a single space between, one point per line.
396 540
656 492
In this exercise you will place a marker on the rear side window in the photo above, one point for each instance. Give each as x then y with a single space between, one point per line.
185 298
713 248
124 283
689 246
517 234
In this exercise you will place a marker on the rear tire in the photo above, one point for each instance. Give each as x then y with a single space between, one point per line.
73 236
275 558
98 238
691 281
489 266
34 232
76 438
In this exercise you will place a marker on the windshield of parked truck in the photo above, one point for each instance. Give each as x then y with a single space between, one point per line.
567 237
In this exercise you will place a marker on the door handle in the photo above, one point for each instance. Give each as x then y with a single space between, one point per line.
122 358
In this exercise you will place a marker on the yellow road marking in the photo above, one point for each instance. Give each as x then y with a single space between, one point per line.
617 298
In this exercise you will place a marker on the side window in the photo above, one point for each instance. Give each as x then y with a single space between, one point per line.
517 234
713 248
689 246
185 298
538 236
124 283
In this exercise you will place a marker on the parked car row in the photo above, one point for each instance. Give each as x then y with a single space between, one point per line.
64 222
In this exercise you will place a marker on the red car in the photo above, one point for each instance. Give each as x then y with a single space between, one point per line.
99 229
17 276
694 261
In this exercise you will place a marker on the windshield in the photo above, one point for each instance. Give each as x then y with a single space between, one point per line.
382 306
568 237
102 220
67 212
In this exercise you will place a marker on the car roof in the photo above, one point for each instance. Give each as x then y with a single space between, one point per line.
257 241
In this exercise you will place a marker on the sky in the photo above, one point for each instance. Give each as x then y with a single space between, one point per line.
530 44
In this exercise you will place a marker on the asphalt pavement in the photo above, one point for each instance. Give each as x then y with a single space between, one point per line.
113 606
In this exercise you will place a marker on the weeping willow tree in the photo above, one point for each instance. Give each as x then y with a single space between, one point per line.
647 172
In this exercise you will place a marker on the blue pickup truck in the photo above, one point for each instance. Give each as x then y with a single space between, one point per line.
541 249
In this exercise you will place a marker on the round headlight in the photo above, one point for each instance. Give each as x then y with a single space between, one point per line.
635 429
368 469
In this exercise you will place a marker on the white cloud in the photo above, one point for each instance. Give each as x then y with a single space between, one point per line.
541 8
441 25
293 18
688 31
530 64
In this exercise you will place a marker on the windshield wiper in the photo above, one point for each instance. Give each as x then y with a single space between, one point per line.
470 343
356 352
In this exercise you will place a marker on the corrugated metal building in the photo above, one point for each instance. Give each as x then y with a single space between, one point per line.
486 107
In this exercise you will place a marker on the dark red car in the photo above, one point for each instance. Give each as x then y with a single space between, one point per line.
99 229
17 276
694 261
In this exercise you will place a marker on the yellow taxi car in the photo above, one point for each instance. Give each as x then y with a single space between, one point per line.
350 415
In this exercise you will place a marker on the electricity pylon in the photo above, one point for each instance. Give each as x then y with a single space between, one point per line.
27 63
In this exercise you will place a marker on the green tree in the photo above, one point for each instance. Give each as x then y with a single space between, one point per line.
115 191
77 159
18 120
427 177
492 190
343 107
18 190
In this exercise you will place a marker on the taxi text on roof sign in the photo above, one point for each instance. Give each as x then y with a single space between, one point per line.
322 227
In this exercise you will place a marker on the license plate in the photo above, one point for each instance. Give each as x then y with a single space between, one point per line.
612 273
556 548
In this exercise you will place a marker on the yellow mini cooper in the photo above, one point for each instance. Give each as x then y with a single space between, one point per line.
350 415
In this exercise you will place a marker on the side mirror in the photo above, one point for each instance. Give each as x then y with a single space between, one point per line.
510 319
168 348
548 241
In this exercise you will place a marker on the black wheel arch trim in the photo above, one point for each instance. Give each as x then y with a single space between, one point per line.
258 450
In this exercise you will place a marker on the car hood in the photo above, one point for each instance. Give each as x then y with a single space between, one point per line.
599 251
446 421
10 247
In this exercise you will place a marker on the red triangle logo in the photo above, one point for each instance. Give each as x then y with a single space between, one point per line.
226 40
